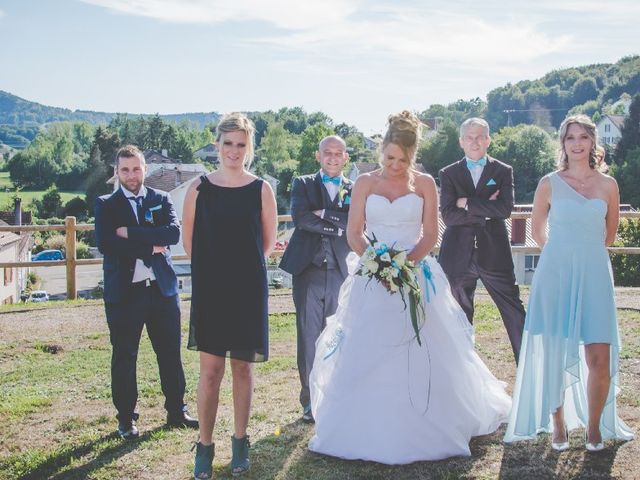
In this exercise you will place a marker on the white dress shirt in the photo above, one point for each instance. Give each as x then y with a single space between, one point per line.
476 172
141 272
332 188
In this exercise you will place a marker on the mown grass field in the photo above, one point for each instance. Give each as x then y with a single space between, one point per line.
57 420
7 192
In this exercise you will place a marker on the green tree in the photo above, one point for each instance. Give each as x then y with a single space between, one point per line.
626 268
440 150
584 90
51 203
274 157
76 207
630 138
154 132
627 176
529 149
309 146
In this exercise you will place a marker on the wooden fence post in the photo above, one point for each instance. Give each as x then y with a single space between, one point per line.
70 237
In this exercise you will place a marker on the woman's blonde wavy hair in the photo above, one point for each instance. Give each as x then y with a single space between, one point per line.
596 155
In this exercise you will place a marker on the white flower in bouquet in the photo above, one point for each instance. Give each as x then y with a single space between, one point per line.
369 253
387 273
385 257
371 266
400 258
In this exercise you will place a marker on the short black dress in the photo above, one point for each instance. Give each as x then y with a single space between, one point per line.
229 277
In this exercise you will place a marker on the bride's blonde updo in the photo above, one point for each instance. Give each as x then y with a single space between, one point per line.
404 131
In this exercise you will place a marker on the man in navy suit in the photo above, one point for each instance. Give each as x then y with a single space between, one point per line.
134 228
476 197
317 252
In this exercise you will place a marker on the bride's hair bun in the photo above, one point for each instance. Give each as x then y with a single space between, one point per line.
404 131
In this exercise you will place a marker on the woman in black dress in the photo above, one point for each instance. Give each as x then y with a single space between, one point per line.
228 227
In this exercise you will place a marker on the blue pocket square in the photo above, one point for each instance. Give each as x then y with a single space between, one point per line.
491 182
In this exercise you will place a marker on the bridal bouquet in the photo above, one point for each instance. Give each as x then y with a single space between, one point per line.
390 267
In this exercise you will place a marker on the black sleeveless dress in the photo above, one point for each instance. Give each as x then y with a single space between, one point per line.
229 277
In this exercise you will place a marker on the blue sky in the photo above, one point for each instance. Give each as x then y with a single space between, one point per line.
355 60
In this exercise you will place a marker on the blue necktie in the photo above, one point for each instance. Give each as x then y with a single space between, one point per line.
138 202
477 163
335 180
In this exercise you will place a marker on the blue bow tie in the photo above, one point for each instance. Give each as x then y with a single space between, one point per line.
335 180
477 163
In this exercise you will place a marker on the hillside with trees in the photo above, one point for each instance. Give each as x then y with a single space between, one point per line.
73 150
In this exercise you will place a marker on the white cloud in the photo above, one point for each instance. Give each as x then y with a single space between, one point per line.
1 14
288 14
420 35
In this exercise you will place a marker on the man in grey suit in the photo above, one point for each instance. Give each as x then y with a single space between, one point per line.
317 252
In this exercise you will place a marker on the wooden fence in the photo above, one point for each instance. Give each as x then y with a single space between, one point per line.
70 228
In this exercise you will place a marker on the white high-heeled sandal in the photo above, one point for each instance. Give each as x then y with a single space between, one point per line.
592 447
562 446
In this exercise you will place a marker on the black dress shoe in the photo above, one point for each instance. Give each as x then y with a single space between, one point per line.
182 419
128 430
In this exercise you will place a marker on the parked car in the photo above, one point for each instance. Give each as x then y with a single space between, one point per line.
48 255
38 296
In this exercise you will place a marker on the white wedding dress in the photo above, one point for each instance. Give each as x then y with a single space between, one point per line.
378 395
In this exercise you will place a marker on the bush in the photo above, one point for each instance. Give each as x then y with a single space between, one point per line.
55 242
626 268
82 250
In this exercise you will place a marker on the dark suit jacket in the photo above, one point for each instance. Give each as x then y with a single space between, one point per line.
482 224
120 254
309 194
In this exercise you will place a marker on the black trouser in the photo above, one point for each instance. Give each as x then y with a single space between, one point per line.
504 291
145 306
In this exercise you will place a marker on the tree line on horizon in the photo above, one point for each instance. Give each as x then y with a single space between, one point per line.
523 116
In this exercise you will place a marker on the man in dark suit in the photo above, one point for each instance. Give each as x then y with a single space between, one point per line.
317 252
134 228
476 196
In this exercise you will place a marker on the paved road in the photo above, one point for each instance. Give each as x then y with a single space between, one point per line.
55 283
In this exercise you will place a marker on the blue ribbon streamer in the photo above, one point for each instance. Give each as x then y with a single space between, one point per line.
334 343
428 276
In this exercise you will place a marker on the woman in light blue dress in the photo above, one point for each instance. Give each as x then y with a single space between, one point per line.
568 370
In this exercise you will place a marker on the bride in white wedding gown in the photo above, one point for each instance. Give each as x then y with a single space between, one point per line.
376 394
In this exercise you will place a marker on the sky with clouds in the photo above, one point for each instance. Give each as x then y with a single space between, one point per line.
356 60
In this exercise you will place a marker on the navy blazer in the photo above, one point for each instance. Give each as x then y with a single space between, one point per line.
308 194
482 224
120 254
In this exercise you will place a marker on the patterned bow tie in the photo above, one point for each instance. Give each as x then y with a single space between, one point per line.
477 163
327 179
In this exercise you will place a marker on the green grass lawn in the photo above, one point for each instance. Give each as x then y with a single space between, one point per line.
7 192
57 419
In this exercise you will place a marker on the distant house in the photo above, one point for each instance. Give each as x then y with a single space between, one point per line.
430 127
358 168
610 129
14 247
153 156
371 143
208 153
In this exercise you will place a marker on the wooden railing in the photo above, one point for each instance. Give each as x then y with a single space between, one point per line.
70 228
